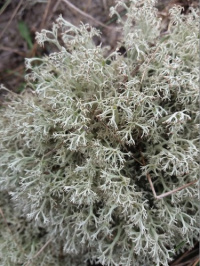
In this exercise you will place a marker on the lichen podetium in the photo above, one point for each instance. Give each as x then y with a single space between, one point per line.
99 154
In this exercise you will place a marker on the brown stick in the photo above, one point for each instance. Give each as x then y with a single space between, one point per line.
13 15
11 50
4 7
86 15
33 51
175 190
185 254
151 185
166 193
38 253
45 15
196 261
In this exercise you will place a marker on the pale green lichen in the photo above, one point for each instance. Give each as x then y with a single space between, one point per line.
76 147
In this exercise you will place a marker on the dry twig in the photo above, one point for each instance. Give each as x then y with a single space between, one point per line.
11 233
38 253
166 193
196 261
13 15
33 51
11 50
86 15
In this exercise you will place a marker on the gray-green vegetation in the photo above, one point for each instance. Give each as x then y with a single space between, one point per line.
79 146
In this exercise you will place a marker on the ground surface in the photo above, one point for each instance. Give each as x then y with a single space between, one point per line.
13 13
20 20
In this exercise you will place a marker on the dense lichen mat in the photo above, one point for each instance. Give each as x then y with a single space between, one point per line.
84 146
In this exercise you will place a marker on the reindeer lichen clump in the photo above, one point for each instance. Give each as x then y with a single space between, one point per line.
99 155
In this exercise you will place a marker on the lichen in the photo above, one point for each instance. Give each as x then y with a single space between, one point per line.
78 146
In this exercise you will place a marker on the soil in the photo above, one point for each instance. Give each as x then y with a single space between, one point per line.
39 14
36 15
14 49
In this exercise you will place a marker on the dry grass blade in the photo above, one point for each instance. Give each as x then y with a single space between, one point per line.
4 6
33 51
13 15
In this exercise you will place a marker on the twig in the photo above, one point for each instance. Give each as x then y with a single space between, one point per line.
13 72
169 192
4 6
105 4
87 5
185 263
45 14
33 51
175 190
152 186
86 15
52 151
13 15
11 50
166 193
149 60
185 254
11 233
38 253
116 137
54 9
196 261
